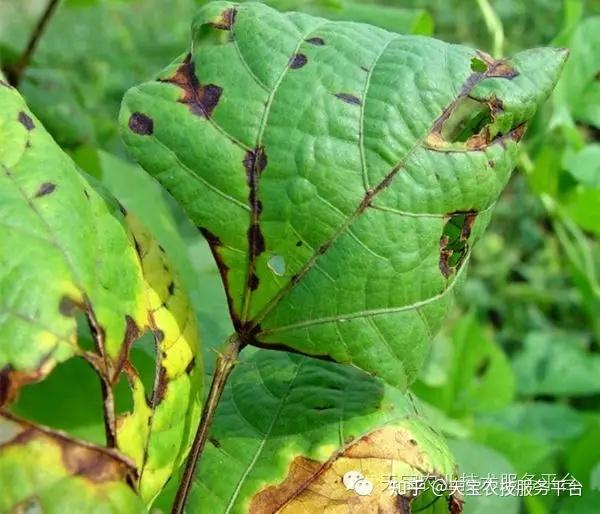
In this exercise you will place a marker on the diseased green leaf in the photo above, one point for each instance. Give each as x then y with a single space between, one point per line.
44 471
366 162
288 429
69 253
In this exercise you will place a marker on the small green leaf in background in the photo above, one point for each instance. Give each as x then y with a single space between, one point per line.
481 461
475 373
556 364
585 165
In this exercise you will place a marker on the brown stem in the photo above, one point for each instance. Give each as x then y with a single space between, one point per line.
15 72
226 361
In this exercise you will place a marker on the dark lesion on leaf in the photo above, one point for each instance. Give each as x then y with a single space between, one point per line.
160 388
494 68
455 504
200 98
317 41
454 242
45 189
349 98
226 20
191 366
255 161
469 123
141 124
26 121
68 305
298 61
85 460
215 245
12 380
403 503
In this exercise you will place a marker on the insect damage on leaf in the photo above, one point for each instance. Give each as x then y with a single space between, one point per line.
365 161
454 245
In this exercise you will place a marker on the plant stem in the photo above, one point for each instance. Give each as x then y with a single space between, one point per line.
226 361
494 26
15 72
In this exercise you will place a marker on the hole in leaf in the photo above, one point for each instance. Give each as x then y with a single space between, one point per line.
277 265
454 243
85 340
468 119
143 358
478 65
69 399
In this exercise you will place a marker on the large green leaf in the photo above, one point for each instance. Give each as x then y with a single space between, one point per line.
69 253
289 427
341 173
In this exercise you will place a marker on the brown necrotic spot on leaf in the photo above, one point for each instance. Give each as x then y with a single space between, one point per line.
313 486
215 244
455 505
348 98
255 161
159 335
12 380
490 67
253 282
225 20
45 189
215 442
191 365
403 504
454 244
141 124
201 99
132 333
26 121
68 305
317 41
160 389
298 61
85 460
